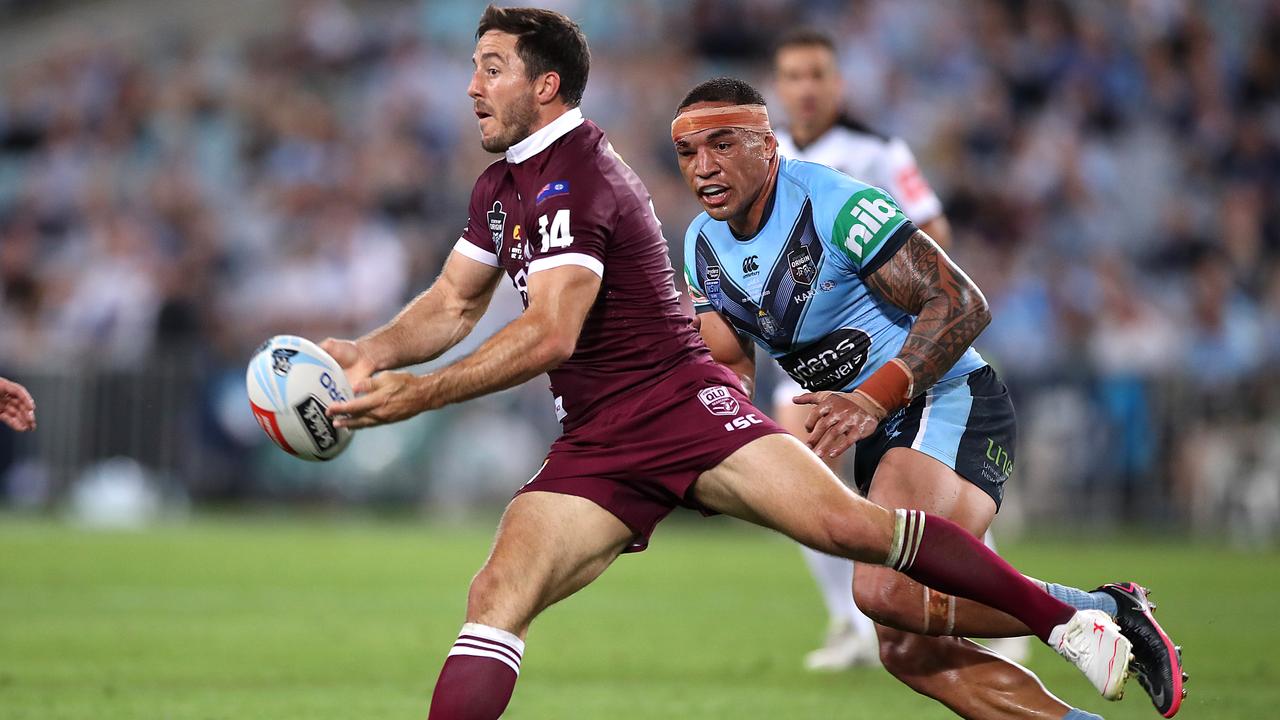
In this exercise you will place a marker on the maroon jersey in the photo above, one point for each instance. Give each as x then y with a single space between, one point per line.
561 197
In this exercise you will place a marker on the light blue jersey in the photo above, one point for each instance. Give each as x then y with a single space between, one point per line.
796 286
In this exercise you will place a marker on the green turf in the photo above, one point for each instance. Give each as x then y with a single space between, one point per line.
290 619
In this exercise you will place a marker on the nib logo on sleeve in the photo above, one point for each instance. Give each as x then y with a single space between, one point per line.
867 219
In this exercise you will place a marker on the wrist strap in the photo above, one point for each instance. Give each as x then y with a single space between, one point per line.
889 387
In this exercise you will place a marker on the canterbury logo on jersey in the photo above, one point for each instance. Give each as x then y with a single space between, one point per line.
865 221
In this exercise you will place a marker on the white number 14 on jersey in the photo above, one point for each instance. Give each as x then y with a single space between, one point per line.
558 236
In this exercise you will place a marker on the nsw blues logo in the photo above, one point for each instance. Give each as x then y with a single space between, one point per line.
718 401
552 189
768 325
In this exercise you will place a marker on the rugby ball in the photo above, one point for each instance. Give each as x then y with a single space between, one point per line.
291 383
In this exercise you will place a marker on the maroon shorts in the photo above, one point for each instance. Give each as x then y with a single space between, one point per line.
639 456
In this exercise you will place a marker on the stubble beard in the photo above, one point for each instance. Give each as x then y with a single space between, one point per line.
520 126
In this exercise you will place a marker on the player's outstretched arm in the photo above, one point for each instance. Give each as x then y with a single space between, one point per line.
729 348
539 340
950 313
17 409
429 325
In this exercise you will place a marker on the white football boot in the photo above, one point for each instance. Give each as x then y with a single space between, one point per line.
1092 642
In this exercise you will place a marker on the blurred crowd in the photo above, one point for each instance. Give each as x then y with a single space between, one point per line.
1111 170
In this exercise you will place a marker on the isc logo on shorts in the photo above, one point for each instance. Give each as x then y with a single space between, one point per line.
743 422
718 401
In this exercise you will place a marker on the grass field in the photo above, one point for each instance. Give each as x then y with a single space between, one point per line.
277 620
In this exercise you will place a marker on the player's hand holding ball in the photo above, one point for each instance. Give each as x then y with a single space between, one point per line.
838 420
351 358
384 398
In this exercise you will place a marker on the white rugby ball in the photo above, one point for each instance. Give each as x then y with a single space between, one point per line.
291 383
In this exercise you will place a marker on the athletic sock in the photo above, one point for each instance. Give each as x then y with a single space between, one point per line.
479 675
936 552
1077 714
1081 600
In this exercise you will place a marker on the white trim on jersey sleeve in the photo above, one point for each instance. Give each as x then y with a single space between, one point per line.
555 261
468 248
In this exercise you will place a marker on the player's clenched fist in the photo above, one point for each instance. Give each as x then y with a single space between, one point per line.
17 409
838 420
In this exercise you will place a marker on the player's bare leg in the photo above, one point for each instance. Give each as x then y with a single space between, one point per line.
548 546
851 635
971 681
776 482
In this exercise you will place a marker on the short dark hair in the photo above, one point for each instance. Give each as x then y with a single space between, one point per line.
722 89
546 41
804 37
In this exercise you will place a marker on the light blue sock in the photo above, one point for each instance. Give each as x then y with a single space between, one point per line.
1075 714
1082 600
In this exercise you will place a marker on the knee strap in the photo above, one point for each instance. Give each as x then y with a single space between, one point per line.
939 612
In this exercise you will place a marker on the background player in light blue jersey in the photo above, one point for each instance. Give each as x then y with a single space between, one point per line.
865 311
810 88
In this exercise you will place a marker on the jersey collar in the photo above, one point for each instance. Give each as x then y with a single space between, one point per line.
768 207
540 140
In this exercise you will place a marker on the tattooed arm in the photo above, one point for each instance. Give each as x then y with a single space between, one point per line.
950 310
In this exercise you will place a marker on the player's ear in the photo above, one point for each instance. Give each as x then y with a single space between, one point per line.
770 145
546 88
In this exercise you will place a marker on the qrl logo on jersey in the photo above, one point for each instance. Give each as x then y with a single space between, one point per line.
865 221
718 401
